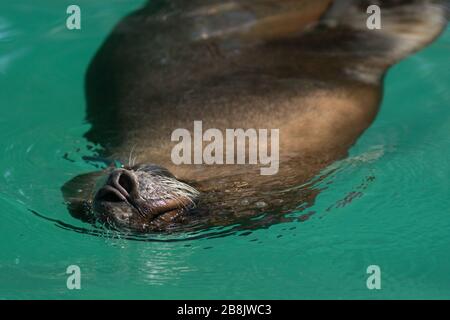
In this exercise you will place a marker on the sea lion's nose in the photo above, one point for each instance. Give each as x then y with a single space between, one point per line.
122 185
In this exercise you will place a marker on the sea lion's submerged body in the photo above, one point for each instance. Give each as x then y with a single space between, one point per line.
309 68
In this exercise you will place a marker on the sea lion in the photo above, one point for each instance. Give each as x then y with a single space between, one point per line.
310 68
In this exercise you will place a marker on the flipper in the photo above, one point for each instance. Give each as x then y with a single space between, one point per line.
406 27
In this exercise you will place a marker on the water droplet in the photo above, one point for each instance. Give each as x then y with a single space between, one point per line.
261 204
244 202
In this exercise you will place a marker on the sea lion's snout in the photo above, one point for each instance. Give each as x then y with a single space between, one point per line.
143 198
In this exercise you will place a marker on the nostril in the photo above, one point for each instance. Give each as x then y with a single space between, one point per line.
110 194
125 182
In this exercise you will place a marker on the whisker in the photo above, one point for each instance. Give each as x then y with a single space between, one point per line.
130 156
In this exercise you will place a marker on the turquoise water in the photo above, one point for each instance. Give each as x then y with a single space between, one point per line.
387 204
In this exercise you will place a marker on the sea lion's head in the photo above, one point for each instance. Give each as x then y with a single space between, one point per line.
148 198
139 198
143 197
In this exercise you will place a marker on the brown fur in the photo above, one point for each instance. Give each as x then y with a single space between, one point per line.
313 72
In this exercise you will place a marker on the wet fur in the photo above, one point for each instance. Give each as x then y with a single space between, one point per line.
318 79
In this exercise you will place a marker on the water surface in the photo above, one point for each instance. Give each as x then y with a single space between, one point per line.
386 204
